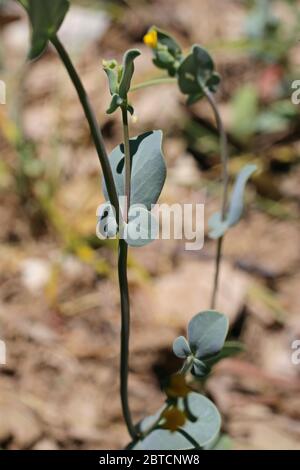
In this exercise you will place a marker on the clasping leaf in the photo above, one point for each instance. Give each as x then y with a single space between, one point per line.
218 227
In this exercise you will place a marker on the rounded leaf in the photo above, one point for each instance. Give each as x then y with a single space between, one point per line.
181 348
207 332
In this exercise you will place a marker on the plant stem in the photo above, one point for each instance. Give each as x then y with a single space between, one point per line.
127 162
155 81
125 332
93 124
124 290
189 438
225 178
112 193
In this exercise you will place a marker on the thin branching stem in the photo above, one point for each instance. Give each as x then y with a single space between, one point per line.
225 179
155 81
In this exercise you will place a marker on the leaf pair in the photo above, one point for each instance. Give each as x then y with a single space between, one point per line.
148 174
197 72
206 336
204 429
119 79
219 227
46 17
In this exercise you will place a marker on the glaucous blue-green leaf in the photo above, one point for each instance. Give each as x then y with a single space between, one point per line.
127 71
46 17
142 227
237 196
116 101
148 169
181 347
204 430
218 227
110 67
206 333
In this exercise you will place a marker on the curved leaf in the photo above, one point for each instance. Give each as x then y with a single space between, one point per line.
128 70
116 101
204 430
207 332
237 196
218 227
46 18
112 75
148 169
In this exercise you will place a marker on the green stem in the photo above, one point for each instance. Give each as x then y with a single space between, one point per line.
124 290
125 332
225 178
93 124
155 81
189 438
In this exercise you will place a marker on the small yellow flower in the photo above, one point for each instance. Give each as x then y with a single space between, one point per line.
174 419
150 39
177 386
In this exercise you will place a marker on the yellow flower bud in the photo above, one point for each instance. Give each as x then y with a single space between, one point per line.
174 419
150 39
